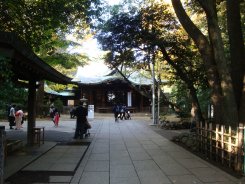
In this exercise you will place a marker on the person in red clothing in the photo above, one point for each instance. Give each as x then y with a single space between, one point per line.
56 116
56 119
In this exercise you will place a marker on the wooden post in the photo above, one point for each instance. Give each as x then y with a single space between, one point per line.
31 111
238 160
2 152
210 140
222 144
217 141
229 146
206 138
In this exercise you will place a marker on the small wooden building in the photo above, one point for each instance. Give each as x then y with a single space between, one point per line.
105 91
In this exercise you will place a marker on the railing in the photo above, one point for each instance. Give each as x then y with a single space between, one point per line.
222 144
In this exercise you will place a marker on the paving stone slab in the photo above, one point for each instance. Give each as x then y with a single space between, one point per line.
185 179
94 178
67 159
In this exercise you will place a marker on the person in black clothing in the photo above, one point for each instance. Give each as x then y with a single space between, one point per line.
81 113
12 116
123 110
116 111
72 111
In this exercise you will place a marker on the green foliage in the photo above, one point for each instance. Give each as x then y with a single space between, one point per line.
66 63
37 21
9 93
133 37
59 105
180 96
44 25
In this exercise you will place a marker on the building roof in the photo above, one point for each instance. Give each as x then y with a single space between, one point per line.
135 77
26 65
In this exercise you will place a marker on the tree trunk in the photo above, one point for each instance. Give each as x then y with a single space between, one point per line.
242 105
222 95
230 115
187 81
236 47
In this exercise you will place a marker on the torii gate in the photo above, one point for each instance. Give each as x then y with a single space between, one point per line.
28 67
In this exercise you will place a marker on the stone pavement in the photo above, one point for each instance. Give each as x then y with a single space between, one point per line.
127 152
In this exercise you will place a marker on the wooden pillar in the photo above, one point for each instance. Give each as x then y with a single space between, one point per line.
103 96
90 97
39 99
141 106
31 111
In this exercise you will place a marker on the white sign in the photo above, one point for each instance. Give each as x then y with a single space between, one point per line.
129 99
90 111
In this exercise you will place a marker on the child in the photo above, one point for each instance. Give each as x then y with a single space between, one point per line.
56 118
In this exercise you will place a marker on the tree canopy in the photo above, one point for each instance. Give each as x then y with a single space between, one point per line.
44 25
197 55
37 21
152 34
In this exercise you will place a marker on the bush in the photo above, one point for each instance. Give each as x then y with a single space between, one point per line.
59 105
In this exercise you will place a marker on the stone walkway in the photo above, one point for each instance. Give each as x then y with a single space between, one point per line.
130 152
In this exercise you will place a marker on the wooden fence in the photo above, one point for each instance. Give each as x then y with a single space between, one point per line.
222 144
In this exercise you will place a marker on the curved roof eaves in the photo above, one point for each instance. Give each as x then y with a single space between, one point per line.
10 39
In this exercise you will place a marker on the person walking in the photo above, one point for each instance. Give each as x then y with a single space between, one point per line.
18 119
116 111
56 118
51 112
81 113
12 116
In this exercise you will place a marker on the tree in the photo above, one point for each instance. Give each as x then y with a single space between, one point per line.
8 92
138 33
43 24
37 21
211 49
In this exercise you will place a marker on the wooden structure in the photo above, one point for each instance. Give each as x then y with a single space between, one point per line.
221 143
105 93
28 67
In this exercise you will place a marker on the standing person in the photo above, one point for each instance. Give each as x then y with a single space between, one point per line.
81 113
12 116
51 112
56 117
18 119
123 110
72 115
116 112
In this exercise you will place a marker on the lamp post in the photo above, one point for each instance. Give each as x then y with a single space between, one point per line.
153 94
158 99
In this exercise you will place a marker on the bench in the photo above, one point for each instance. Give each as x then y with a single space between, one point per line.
38 133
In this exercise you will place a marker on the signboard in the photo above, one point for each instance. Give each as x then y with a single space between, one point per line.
90 111
129 99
